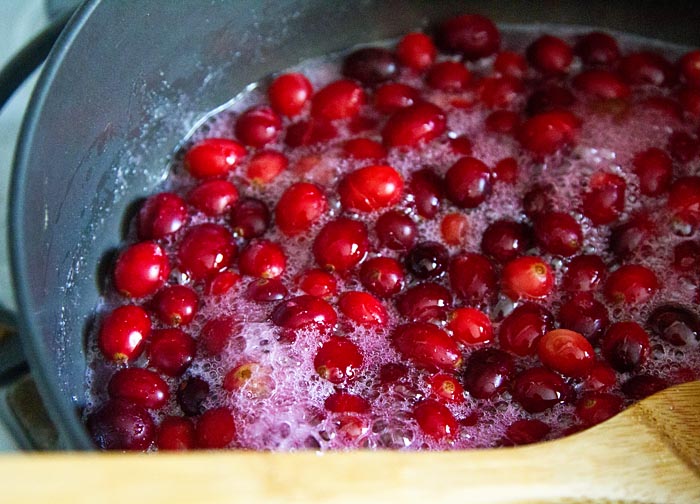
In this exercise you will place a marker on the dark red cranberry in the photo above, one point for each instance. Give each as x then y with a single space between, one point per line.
447 388
472 277
538 389
684 200
139 386
427 260
317 282
258 126
141 269
266 290
558 233
416 51
396 230
121 425
370 65
204 250
123 333
664 106
548 98
504 240
605 199
625 346
364 148
547 132
217 333
266 166
213 197
566 352
299 207
453 229
392 373
550 55
596 407
341 244
263 258
220 283
191 393
683 146
631 284
601 84
471 35
370 188
527 277
527 431
341 99
250 218
502 121
215 429
686 256
304 312
628 238
499 92
343 402
584 273
409 126
690 102
510 64
309 132
427 346
689 66
641 386
176 305
363 308
175 433
161 215
448 76
427 189
468 182
601 377
583 314
520 331
538 200
654 169
461 145
425 302
382 276
647 67
394 96
435 419
675 324
487 372
213 157
288 93
470 326
338 360
171 351
597 48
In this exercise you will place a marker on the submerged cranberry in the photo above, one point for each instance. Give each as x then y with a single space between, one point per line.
597 48
654 169
341 244
453 229
472 277
641 386
646 67
416 51
425 302
584 314
683 146
502 121
521 331
686 256
527 431
584 273
549 98
547 132
538 389
558 233
596 407
487 372
370 65
288 93
448 76
427 260
605 199
427 346
250 218
468 182
684 200
266 166
171 351
343 402
539 199
631 284
338 360
472 35
121 425
427 189
601 84
309 132
364 148
161 215
435 419
302 312
628 239
396 230
625 346
215 429
266 290
510 64
675 324
217 333
175 433
382 276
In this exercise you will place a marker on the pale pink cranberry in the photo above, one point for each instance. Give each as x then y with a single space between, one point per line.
341 99
605 199
175 434
470 326
288 93
382 276
396 230
548 132
427 260
250 218
538 389
121 425
123 333
171 351
453 229
344 402
596 407
625 346
499 92
584 273
410 126
689 66
447 388
139 386
161 215
416 51
175 305
364 148
558 233
435 419
263 258
213 197
550 55
597 48
675 324
631 284
141 269
363 308
629 238
191 394
448 76
299 207
526 431
502 121
522 329
317 282
427 189
468 182
217 333
258 126
601 84
472 35
566 352
506 171
527 277
204 250
425 302
654 169
427 346
304 312
216 428
647 67
341 244
472 277
338 360
584 314
684 201
370 188
213 157
251 379
310 132
487 372
265 166
370 65
266 290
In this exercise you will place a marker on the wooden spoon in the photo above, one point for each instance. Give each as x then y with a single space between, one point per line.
650 453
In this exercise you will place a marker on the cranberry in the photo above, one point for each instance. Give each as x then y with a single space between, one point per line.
338 360
123 333
521 331
538 200
566 352
303 312
250 218
396 231
175 305
364 148
584 273
583 314
288 93
549 98
664 106
141 269
675 324
625 346
191 393
343 402
427 190
205 249
550 55
251 379
213 157
213 197
427 260
341 244
472 277
341 99
370 188
601 84
425 302
394 96
363 308
409 126
427 346
435 419
631 284
392 373
266 290
299 207
461 145
690 102
175 433
683 146
382 276
318 283
596 407
647 68
447 388
370 65
139 386
215 429
605 199
468 182
471 35
161 215
502 121
453 229
171 351
684 200
628 238
510 64
527 277
217 333
526 431
654 169
597 48
547 132
470 326
121 425
309 132
601 377
642 386
686 256
263 258
538 389
558 233
448 76
416 51
689 66
220 283
265 166
258 126
499 92
487 372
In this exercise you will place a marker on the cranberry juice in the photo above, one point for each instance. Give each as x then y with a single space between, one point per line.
468 240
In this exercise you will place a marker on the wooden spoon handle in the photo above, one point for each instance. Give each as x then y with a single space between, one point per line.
650 453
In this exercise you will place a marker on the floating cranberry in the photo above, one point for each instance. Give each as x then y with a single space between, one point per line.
538 200
121 425
510 64
319 283
139 386
601 377
601 84
499 92
191 394
309 132
303 312
370 65
566 352
370 188
382 276
338 360
363 308
472 277
641 386
596 407
266 290
675 324
686 256
472 35
522 329
549 98
453 229
625 346
364 148
215 429
217 333
631 284
258 126
654 169
470 326
213 157
416 51
161 215
343 402
299 207
547 132
448 76
123 333
538 389
689 66
684 200
605 199
220 283
646 67
341 99
488 372
447 388
213 197
396 230
288 93
583 314
394 96
263 258
558 233
341 244
527 277
584 273
427 346
265 166
251 379
435 419
628 238
250 218
171 351
527 431
468 182
597 48
204 250
175 433
141 269
425 302
550 55
419 123
427 260
427 190
175 305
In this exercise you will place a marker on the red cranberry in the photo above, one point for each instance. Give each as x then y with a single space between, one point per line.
220 283
258 126
363 308
448 76
394 96
471 35
487 372
382 276
499 92
628 238
427 260
288 93
502 121
601 84
584 273
338 360
265 166
416 51
472 277
161 215
663 106
683 146
583 314
510 64
250 379
684 200
213 197
213 157
647 68
370 188
427 346
139 386
654 169
217 333
675 324
364 148
309 132
171 351
341 99
605 199
435 419
341 244
461 145
299 207
419 123
470 326
641 386
550 55
689 66
549 98
527 277
538 200
597 48
558 233
601 377
447 388
319 283
263 258
176 305
123 333
453 229
468 182
527 431
250 218
521 331
215 429
425 302
205 249
625 346
266 290
538 389
566 352
121 425
191 394
686 256
392 373
370 65
631 284
427 190
141 269
690 102
396 230
303 312
175 433
547 132
596 407
343 402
